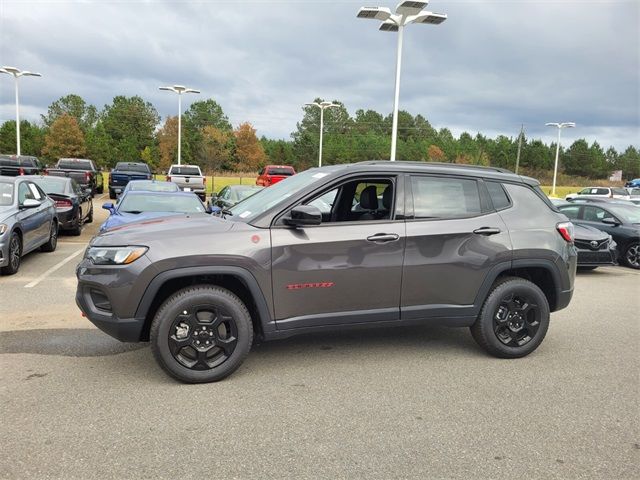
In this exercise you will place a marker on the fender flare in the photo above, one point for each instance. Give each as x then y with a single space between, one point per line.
245 276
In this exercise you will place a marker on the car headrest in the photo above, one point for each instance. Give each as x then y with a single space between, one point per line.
369 198
387 197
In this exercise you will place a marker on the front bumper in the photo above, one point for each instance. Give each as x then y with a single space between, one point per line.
593 257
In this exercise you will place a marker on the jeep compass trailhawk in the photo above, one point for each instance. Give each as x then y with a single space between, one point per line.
366 244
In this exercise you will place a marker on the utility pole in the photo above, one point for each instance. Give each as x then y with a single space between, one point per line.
519 147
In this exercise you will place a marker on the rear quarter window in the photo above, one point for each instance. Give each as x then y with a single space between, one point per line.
280 171
498 195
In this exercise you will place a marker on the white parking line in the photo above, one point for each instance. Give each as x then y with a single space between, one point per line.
54 268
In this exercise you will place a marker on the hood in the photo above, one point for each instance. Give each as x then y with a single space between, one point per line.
143 231
6 211
121 220
587 233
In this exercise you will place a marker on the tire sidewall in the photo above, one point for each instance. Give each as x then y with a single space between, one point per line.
9 268
485 320
626 250
184 300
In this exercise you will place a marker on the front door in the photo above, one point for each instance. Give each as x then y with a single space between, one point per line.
349 268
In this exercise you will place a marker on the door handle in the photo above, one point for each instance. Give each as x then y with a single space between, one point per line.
383 237
487 231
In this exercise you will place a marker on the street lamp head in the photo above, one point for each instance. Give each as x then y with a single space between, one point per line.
191 90
557 125
10 70
389 26
169 89
410 8
374 13
313 104
430 18
568 125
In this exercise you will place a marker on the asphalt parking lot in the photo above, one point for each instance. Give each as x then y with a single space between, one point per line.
418 402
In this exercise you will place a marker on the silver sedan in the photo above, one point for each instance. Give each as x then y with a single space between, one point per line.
27 221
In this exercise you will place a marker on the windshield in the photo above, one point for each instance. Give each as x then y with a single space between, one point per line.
628 214
280 171
6 194
51 185
185 171
161 203
132 167
244 193
267 198
153 186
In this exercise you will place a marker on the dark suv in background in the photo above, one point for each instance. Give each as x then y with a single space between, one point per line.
367 244
15 165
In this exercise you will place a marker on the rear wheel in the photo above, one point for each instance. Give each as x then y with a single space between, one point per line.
112 194
15 255
77 228
201 334
632 256
514 319
51 245
90 216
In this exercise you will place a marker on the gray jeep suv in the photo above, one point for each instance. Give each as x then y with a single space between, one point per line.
366 244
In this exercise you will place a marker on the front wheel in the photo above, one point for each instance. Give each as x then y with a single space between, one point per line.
201 334
632 256
15 255
514 319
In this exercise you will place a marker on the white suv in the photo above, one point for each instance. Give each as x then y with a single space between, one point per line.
604 192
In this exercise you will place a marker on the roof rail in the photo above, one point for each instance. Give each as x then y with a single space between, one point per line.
442 164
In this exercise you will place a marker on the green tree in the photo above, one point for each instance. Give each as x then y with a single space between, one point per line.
31 138
100 146
86 115
216 149
64 139
130 123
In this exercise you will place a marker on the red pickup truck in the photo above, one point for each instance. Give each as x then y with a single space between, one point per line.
273 174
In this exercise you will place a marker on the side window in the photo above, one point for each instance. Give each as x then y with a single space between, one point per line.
35 192
498 195
357 200
441 197
325 202
225 193
24 193
571 212
594 214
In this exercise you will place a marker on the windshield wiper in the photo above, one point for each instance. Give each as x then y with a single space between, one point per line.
226 211
135 212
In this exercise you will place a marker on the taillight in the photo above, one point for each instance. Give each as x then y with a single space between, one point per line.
168 178
46 172
63 204
204 180
87 176
21 171
565 229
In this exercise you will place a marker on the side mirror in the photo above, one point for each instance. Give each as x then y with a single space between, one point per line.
303 215
30 203
109 206
610 221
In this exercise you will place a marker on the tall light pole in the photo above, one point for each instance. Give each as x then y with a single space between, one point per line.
17 73
406 12
559 126
322 106
180 89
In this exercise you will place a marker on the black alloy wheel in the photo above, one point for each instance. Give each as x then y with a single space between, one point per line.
15 254
52 243
201 334
203 337
513 320
516 321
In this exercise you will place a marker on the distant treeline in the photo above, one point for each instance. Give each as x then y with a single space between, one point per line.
129 129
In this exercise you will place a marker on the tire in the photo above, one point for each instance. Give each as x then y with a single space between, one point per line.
77 229
15 255
218 316
90 216
631 257
112 194
505 328
52 243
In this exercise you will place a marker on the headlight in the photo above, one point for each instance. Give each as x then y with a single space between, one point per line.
115 255
3 228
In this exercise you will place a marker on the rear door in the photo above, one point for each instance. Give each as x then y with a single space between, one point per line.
454 238
349 268
29 218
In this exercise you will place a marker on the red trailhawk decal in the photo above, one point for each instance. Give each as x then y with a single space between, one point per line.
300 286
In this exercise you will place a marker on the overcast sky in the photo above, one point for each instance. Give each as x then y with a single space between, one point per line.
493 65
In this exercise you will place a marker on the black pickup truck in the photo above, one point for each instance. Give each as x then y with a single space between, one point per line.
15 165
123 173
82 170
